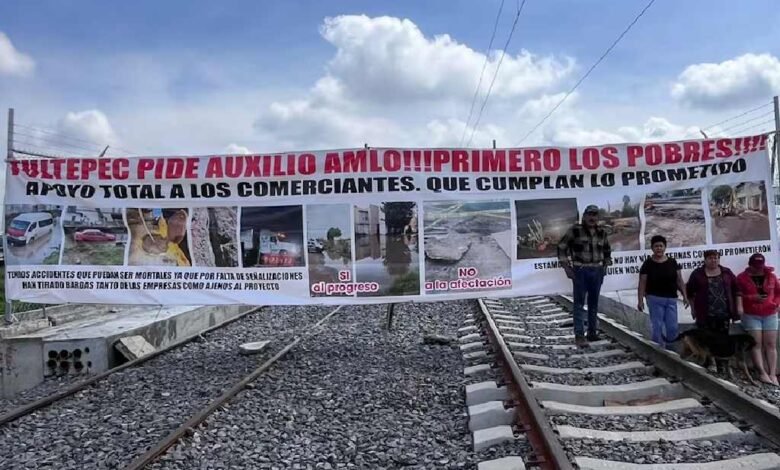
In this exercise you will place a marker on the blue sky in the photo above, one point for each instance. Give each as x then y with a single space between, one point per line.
197 77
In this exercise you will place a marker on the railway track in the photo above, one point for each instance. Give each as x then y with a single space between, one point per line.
620 404
337 390
114 419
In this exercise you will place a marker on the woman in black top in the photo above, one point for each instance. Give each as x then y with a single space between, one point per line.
659 280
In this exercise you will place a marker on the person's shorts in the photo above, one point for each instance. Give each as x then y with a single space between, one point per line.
756 323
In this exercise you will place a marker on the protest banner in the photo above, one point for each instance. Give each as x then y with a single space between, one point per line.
371 225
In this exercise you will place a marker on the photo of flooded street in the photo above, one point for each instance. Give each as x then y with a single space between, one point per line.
329 244
387 249
460 234
33 234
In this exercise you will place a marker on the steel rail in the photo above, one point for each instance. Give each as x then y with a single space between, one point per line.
205 412
549 453
78 386
764 420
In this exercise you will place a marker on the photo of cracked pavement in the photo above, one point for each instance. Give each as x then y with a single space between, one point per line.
459 234
214 236
677 215
739 212
541 223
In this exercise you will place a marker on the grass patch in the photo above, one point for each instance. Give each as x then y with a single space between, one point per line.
99 254
408 284
17 305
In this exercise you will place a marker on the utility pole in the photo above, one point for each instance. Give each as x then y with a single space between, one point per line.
776 146
9 312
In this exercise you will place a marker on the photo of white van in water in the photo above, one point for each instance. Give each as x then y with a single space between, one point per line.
26 228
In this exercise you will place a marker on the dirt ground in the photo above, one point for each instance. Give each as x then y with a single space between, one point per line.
678 232
743 228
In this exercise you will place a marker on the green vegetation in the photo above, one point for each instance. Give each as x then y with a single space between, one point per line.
99 254
52 258
17 306
339 249
408 284
333 232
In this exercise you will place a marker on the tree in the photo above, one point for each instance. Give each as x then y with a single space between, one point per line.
722 194
333 232
397 215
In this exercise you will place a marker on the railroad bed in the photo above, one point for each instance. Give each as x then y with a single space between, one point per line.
349 394
608 408
106 424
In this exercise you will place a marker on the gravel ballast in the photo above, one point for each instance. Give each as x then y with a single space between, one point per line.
354 396
116 419
654 422
662 451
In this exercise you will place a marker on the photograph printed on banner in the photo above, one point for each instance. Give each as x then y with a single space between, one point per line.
541 223
33 234
158 237
214 233
619 217
678 215
94 236
739 212
387 250
467 240
272 236
329 244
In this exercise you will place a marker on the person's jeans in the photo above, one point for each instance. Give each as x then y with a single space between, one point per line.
587 282
663 319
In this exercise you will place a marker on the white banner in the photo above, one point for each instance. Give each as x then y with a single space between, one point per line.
371 225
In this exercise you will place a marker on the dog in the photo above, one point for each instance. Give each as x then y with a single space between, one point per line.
708 345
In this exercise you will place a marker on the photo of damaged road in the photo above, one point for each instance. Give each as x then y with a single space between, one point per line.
467 235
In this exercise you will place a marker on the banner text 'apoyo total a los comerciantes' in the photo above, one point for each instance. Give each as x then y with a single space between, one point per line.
371 225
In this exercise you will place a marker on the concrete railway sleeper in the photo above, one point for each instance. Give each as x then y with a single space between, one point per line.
614 406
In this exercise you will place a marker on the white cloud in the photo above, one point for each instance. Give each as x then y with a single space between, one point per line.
235 149
91 125
569 131
390 58
304 123
389 84
13 62
731 83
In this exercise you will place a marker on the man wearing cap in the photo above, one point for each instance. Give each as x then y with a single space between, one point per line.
584 253
757 305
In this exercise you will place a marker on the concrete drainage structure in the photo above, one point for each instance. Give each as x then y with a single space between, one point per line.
85 343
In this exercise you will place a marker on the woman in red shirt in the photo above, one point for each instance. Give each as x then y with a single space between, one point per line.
757 304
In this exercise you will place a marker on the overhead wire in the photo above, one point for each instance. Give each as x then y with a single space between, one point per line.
61 136
47 140
592 67
745 113
498 67
481 74
740 124
753 126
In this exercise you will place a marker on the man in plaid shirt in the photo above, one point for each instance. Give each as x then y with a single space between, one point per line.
584 253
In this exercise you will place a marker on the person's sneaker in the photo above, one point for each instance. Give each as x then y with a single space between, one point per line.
581 342
593 337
